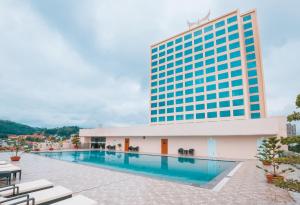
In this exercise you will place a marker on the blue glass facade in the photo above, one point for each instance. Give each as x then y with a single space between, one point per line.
207 73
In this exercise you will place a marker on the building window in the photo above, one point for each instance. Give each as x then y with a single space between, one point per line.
239 112
255 115
232 28
171 50
208 36
179 117
234 45
238 82
235 54
234 64
238 102
162 119
222 76
197 33
233 36
200 115
222 66
254 98
211 114
178 40
252 73
179 70
170 43
232 19
224 103
224 94
225 113
211 96
154 50
253 90
249 41
223 85
189 108
211 87
251 64
254 107
236 73
170 118
247 18
237 92
179 109
221 49
208 28
187 36
211 105
220 24
248 33
200 107
153 119
221 41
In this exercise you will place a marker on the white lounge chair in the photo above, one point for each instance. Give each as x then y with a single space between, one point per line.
77 200
25 187
12 169
43 197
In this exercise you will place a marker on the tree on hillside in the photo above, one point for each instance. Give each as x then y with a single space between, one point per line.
295 116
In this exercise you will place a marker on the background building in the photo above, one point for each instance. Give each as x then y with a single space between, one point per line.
210 72
291 129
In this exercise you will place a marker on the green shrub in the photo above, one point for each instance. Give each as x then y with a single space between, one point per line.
289 184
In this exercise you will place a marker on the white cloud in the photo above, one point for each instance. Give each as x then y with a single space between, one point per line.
45 81
282 84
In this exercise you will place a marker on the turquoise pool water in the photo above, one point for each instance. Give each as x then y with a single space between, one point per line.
180 169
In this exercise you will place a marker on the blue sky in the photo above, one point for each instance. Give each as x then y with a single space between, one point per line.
86 62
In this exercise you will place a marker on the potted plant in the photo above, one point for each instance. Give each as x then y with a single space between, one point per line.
16 146
264 153
36 147
75 141
50 143
272 151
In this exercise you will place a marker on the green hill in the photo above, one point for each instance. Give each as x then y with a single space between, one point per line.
14 128
10 128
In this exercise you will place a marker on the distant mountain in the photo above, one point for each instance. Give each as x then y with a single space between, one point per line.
14 128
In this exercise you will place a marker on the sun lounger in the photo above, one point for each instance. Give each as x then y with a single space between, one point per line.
25 187
12 169
6 176
43 197
77 200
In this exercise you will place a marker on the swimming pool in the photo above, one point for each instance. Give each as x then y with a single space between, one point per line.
194 171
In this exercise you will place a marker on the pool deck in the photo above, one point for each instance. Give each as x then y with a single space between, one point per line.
246 186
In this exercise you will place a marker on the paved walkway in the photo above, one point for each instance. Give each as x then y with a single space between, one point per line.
247 186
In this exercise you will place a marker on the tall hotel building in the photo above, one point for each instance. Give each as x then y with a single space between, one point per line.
208 73
207 94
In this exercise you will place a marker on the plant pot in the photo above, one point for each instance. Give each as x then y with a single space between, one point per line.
76 147
15 158
271 178
36 150
51 149
266 163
